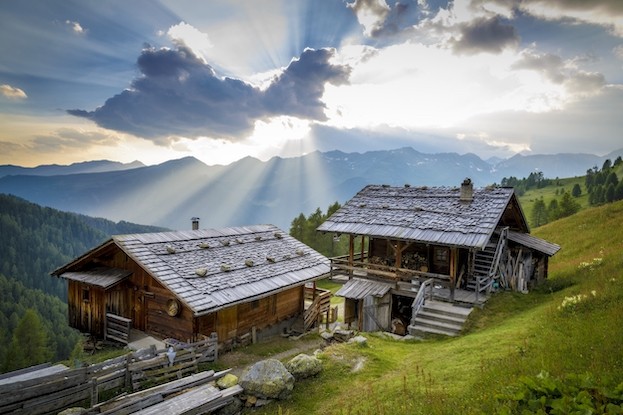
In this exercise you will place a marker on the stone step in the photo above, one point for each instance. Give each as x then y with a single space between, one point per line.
438 325
439 307
442 318
417 330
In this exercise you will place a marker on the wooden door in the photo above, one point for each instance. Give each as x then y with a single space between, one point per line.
227 323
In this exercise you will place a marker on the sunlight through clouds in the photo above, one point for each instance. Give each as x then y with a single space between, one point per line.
195 40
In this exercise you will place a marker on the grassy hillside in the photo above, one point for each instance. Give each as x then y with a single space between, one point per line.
515 335
555 190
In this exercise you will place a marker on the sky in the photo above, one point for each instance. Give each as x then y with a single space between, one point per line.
224 79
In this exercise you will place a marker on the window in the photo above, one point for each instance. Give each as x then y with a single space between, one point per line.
86 295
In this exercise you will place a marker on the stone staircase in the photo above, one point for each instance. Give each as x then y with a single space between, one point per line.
436 317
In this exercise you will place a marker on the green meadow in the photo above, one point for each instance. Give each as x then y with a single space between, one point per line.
568 328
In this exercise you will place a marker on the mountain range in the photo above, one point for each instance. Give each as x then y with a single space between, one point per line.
251 191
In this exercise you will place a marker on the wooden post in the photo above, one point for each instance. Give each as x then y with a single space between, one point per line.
94 392
454 259
363 239
128 375
254 334
398 254
351 254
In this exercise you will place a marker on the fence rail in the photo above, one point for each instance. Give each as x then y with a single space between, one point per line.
52 393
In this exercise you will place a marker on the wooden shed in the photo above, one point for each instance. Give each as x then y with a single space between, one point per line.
185 284
452 244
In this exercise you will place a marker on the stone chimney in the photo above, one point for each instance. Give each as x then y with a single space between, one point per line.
467 190
195 222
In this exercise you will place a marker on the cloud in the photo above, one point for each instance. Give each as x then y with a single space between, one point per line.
578 83
72 139
75 26
381 19
183 34
606 13
178 94
371 14
11 92
485 35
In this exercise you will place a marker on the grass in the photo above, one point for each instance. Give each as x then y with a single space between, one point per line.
515 335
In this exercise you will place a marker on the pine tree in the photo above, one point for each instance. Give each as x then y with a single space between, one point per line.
539 213
576 191
29 343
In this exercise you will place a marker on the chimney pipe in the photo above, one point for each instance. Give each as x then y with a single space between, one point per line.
195 222
467 190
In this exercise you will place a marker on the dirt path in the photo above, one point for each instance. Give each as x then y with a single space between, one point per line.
240 359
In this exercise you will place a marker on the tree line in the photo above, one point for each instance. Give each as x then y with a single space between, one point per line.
304 227
603 186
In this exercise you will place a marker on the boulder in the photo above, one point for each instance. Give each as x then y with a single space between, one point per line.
227 381
267 379
303 366
343 335
359 341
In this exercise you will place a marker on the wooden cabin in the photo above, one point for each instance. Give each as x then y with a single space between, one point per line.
450 244
182 285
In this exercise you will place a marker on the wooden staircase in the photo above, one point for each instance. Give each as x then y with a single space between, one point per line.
320 303
486 262
439 318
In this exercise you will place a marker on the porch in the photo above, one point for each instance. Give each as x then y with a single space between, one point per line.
407 282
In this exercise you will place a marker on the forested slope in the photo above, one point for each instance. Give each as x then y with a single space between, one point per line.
34 241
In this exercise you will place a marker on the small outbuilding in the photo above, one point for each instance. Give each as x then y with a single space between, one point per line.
187 284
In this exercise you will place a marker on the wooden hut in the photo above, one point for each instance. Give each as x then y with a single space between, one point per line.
232 281
432 243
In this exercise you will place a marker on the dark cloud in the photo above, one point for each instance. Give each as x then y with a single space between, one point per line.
386 18
178 94
298 90
485 35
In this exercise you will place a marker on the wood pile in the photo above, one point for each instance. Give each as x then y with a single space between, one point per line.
194 394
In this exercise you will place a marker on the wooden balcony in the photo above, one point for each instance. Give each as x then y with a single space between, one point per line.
407 281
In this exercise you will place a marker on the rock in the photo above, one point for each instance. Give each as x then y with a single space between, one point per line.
268 379
343 335
327 335
233 408
359 341
227 381
251 401
72 411
303 366
262 402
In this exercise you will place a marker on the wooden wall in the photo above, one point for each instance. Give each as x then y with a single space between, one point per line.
87 310
240 319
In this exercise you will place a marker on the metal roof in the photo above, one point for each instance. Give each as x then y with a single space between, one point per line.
100 277
426 214
533 242
358 288
209 269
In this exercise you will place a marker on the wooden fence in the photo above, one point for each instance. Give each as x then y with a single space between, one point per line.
117 328
52 393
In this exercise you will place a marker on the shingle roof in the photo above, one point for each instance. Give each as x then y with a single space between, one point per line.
100 277
425 214
358 288
533 242
209 269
